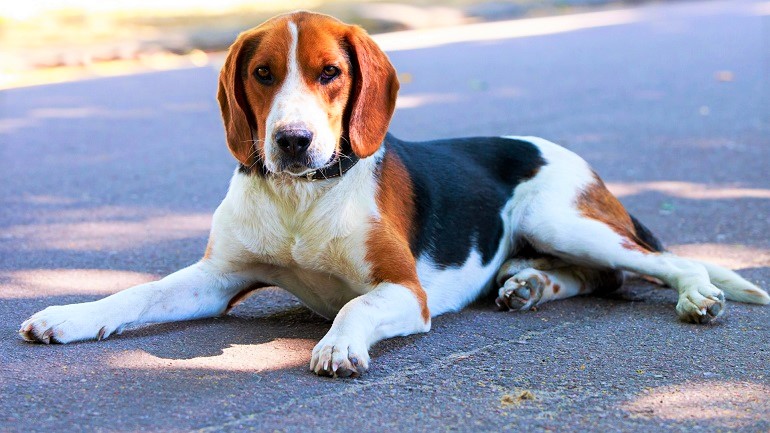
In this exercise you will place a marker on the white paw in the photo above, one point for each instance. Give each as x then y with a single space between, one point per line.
522 291
339 356
67 323
701 304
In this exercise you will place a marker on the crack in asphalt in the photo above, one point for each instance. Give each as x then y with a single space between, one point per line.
395 378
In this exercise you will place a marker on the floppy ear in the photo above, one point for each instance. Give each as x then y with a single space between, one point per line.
235 109
373 97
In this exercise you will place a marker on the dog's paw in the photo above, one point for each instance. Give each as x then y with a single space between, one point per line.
701 305
65 324
521 292
339 356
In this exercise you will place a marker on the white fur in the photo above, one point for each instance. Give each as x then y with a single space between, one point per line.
295 104
308 237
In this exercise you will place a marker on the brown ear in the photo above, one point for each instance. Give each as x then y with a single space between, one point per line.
373 97
234 106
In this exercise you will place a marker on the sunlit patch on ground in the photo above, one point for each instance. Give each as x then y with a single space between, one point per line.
280 353
729 256
689 190
424 38
419 100
48 282
35 118
110 235
731 404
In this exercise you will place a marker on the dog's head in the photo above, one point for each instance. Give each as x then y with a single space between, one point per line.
295 89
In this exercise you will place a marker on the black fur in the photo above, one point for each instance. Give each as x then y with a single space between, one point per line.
644 235
460 187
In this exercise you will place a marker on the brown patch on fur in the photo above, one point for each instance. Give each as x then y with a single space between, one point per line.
633 246
547 279
373 98
556 288
387 246
598 203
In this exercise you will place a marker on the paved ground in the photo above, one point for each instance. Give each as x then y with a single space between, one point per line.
112 182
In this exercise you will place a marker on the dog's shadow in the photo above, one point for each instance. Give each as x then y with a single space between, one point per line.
270 315
258 320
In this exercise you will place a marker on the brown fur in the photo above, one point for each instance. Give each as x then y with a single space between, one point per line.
388 243
374 94
598 203
244 102
360 101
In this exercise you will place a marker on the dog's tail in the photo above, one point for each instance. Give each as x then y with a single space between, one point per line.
735 287
645 238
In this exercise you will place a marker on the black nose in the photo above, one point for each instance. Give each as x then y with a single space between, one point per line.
293 141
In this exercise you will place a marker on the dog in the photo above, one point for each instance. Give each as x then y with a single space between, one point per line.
383 234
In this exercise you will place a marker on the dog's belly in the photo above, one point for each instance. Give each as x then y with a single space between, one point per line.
322 292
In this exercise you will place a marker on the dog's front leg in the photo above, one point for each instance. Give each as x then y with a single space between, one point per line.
389 310
195 292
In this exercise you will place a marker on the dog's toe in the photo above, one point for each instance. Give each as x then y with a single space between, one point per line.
701 305
64 324
337 356
521 292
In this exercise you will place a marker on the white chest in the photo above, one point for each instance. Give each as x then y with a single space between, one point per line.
309 238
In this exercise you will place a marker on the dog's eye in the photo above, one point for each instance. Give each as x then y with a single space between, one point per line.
264 75
329 73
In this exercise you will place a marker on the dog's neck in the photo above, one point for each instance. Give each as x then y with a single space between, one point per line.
297 194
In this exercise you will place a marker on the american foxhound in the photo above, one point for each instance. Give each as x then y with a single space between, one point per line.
370 230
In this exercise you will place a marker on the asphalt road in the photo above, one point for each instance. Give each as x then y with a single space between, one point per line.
107 183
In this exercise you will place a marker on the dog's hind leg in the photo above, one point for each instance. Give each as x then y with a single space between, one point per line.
596 244
526 283
566 211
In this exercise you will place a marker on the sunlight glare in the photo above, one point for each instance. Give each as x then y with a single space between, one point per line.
432 37
691 190
277 354
733 403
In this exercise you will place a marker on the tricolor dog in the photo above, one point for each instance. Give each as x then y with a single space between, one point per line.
371 230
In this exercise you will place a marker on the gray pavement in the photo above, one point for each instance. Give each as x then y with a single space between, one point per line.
107 183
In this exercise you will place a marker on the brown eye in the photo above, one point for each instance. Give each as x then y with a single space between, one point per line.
329 73
264 75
